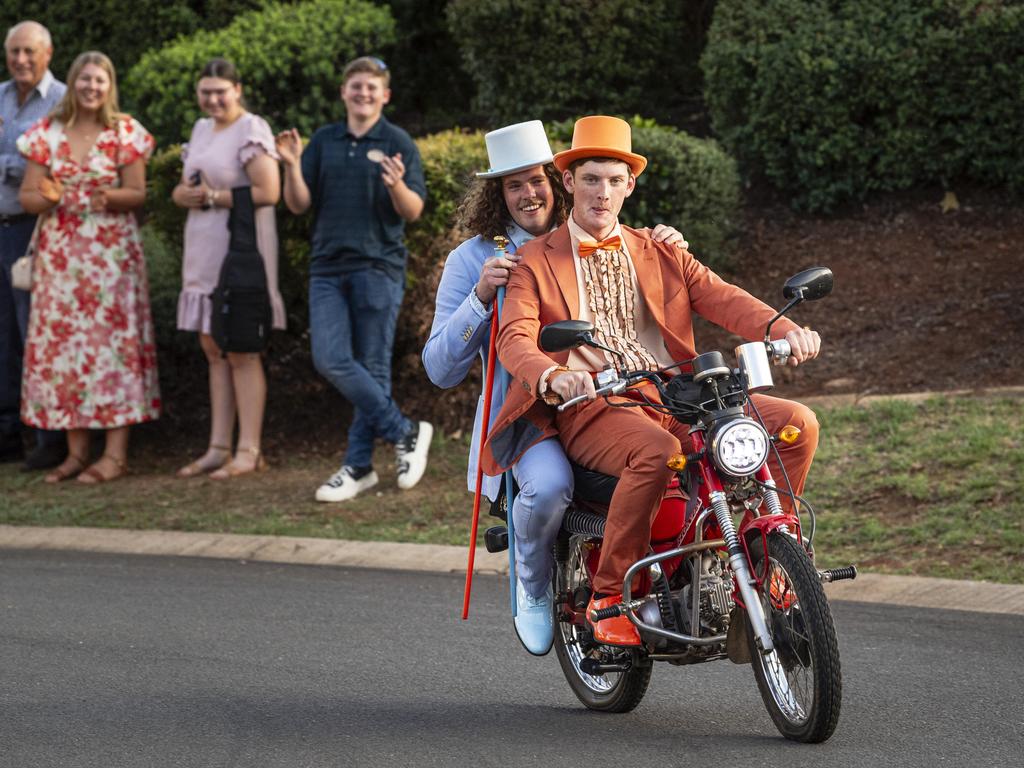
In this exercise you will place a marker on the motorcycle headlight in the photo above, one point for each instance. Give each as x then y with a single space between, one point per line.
740 447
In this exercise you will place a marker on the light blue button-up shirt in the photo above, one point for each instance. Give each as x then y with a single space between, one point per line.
15 119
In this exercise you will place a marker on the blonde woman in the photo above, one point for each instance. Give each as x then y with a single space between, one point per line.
90 358
230 147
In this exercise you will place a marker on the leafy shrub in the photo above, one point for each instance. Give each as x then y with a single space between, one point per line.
538 59
122 29
831 100
290 58
429 89
689 183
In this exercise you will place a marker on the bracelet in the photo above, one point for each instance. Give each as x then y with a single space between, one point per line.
549 396
211 199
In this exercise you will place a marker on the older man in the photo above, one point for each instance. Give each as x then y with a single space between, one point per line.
520 197
570 273
30 94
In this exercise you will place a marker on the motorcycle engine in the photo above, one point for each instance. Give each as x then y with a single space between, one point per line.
715 596
716 603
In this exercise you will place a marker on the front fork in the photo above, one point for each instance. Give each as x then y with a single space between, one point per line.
745 581
738 561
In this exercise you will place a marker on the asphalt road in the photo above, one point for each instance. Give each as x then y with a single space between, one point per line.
141 661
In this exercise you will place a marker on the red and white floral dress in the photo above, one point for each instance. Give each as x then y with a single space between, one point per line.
90 355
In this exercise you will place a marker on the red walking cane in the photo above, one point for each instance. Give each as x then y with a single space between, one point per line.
484 427
492 364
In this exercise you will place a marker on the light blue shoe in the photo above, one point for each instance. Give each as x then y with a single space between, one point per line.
534 623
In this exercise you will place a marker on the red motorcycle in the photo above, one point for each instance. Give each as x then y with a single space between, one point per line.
709 589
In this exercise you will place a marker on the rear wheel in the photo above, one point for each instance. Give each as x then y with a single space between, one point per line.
800 681
611 691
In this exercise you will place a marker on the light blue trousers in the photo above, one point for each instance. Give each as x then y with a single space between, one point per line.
545 489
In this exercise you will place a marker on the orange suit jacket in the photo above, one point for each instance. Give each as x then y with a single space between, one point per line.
542 289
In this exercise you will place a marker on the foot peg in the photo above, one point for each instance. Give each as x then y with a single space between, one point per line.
496 538
838 574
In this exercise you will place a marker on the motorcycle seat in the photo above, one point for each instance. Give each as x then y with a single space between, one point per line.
590 485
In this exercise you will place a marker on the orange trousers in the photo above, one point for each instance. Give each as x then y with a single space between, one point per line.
634 444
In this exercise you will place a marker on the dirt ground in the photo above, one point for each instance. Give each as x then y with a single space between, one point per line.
923 300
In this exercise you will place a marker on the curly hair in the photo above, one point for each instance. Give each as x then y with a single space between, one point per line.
483 210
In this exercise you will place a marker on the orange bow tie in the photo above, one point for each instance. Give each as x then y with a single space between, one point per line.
587 247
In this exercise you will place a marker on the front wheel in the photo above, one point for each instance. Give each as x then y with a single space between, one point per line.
604 691
800 681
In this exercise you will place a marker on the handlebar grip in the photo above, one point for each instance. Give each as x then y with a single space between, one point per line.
606 613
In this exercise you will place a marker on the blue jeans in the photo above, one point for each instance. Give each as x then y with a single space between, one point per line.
545 489
352 320
14 309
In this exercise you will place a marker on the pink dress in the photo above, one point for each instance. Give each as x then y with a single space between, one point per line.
221 157
90 356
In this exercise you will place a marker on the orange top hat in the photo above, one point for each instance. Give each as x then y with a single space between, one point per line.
601 136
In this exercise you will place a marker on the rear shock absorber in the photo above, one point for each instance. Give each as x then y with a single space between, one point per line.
739 565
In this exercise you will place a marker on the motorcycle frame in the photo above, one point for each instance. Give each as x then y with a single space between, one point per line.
765 524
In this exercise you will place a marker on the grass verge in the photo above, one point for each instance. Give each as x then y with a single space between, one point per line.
932 489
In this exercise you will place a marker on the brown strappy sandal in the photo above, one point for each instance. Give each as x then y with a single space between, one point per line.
60 474
230 470
197 467
93 476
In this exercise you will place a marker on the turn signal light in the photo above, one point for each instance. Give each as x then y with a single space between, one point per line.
676 462
788 434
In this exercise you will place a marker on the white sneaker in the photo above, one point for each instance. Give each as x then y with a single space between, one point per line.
343 485
411 455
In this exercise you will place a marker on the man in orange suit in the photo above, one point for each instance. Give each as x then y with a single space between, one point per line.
639 295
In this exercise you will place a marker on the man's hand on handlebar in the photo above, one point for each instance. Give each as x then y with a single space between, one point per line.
804 344
570 384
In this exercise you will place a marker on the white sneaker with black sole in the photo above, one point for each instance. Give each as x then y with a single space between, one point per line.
346 484
411 455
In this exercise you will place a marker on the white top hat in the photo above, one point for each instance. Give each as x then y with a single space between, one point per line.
515 148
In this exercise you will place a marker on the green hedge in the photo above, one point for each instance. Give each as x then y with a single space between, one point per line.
123 29
289 56
689 183
551 60
832 100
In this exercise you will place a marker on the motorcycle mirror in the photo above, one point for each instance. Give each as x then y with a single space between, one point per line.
809 285
565 334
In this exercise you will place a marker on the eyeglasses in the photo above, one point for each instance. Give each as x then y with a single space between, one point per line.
379 62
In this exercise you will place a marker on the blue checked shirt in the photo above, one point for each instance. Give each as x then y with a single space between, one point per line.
14 121
355 225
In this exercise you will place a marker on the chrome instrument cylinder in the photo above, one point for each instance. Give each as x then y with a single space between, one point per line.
754 367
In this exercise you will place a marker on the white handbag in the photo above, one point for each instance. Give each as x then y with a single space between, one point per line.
21 269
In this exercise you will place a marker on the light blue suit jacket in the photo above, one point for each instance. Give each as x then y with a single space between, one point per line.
461 331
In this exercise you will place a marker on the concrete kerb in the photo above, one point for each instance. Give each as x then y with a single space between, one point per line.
868 587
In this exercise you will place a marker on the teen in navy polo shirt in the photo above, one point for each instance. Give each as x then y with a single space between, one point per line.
363 179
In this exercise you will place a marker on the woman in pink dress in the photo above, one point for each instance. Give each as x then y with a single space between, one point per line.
229 148
90 357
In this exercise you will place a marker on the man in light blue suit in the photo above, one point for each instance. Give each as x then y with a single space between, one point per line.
520 197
